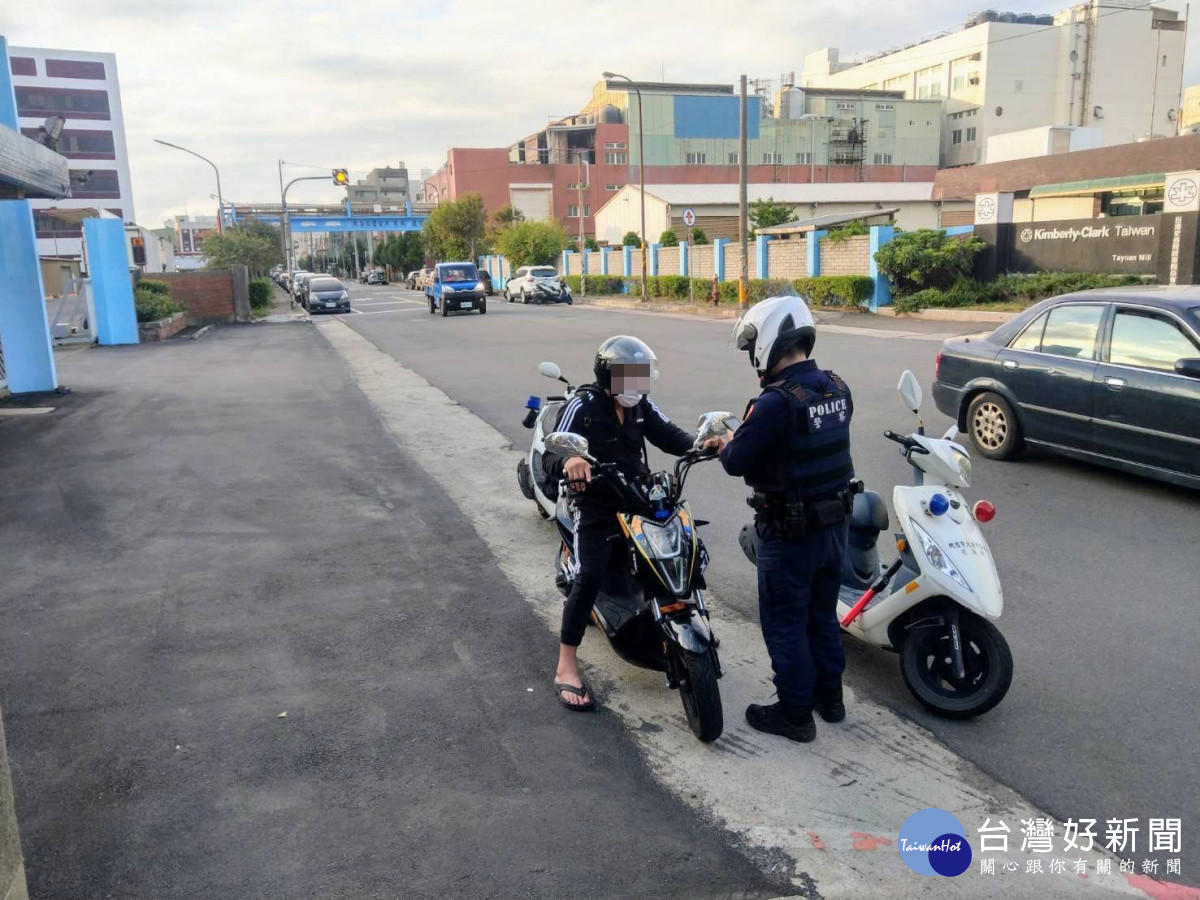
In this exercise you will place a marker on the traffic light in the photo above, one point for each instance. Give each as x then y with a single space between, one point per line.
340 177
139 251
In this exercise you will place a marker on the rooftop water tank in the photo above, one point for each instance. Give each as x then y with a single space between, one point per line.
610 115
1026 19
1043 20
1007 18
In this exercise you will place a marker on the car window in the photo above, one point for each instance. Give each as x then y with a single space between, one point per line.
453 274
1149 341
325 284
544 272
1031 337
1071 331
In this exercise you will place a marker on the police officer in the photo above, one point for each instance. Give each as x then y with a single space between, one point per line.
793 449
617 417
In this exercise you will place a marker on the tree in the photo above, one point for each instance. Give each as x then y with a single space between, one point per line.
765 213
591 243
243 245
669 238
926 258
457 230
699 238
631 239
508 215
402 252
532 243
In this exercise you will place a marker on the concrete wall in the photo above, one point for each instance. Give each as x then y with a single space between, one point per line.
208 296
851 256
700 260
12 866
788 259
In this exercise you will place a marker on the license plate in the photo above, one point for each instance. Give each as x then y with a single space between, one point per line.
466 304
331 304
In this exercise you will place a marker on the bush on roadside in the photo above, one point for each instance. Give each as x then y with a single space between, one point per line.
668 238
672 287
926 258
260 293
597 284
631 239
836 290
157 287
1012 288
152 305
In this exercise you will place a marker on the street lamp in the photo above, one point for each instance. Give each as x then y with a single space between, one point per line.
220 202
437 192
641 169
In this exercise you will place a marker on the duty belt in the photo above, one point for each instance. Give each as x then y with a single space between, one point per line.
795 518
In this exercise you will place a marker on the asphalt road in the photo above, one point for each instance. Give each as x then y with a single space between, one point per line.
1100 569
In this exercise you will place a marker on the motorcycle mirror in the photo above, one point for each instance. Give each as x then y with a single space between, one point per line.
550 370
910 390
567 443
714 424
951 433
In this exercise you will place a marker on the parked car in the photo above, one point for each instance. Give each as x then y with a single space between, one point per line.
411 281
298 286
362 276
324 293
455 287
485 278
377 276
1111 376
523 281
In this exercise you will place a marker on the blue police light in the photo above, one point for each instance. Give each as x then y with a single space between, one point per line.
534 402
938 504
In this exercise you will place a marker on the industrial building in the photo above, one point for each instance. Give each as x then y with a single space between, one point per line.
388 187
1101 73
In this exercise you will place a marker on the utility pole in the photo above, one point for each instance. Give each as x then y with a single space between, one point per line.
743 223
283 225
582 243
641 171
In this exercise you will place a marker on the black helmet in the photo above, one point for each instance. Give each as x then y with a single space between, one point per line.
622 349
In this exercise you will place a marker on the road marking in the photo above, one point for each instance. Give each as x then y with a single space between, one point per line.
775 796
384 312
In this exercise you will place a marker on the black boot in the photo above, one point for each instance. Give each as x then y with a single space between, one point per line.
794 723
829 706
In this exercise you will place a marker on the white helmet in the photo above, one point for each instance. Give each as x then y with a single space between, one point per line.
769 329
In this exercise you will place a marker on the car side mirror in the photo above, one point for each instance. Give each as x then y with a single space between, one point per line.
910 390
1188 367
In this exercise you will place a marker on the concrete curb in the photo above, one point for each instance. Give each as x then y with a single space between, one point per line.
202 332
951 315
652 306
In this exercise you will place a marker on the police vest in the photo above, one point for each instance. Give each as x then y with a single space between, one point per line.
814 461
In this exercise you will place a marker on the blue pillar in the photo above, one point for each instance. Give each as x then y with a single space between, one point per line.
24 328
814 253
112 289
627 254
684 262
880 235
719 257
603 260
566 262
654 258
760 255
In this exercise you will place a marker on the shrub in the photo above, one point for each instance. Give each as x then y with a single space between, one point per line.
597 284
835 290
156 287
260 293
926 258
1013 288
152 305
531 243
699 238
673 287
631 239
850 229
669 238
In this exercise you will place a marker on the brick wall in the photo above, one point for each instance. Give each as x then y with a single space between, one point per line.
849 257
668 260
787 259
635 263
615 263
733 261
700 261
208 296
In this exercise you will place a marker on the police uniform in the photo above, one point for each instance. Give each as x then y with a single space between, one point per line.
793 449
590 414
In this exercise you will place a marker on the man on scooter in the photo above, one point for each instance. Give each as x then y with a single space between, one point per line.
617 418
793 449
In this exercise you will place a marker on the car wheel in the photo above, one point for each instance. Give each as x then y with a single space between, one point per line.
431 309
993 428
483 307
445 308
524 296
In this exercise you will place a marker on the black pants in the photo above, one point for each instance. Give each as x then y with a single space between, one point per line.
798 581
597 535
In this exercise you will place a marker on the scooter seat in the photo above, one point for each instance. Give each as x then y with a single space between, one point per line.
870 513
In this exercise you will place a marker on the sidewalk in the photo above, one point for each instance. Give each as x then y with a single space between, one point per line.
206 535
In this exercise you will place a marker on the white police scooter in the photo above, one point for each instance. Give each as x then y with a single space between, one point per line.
541 418
946 592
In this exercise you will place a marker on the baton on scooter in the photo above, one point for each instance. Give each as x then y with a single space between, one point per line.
874 589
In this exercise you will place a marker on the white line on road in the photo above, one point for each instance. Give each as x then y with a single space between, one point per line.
834 807
384 312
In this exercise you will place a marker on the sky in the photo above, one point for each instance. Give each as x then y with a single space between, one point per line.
370 83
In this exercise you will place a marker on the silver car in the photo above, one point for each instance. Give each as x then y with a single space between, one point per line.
522 284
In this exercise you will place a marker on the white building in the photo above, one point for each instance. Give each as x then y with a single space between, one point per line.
190 232
82 87
1111 65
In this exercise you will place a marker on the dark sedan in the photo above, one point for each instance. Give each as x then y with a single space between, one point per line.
326 294
1111 376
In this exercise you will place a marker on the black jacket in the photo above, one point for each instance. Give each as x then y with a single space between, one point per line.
590 413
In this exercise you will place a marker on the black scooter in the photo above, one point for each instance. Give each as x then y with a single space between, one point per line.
651 608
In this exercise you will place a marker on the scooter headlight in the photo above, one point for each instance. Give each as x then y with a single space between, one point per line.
964 465
663 541
936 556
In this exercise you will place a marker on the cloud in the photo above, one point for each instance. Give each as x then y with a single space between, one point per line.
378 81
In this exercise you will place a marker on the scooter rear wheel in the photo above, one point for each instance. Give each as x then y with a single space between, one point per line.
700 694
987 660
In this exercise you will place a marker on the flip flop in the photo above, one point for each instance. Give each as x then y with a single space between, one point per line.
559 687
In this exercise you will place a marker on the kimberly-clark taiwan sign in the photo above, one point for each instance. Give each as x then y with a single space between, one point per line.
1115 245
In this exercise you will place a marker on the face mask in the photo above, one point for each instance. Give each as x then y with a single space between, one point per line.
629 399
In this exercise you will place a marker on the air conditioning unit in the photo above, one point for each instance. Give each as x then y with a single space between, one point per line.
973 80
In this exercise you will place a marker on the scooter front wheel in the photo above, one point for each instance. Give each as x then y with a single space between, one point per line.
700 694
926 662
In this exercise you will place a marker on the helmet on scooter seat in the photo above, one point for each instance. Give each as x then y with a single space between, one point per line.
623 350
771 328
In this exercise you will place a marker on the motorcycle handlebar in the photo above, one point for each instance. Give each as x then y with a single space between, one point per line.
909 444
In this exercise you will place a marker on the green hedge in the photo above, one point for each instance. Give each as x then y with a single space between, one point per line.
597 284
836 290
1012 289
824 290
154 287
261 292
152 305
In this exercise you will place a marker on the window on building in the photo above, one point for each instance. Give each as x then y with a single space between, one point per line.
697 159
612 187
958 83
804 159
80 144
101 184
956 136
843 105
733 159
883 159
22 65
970 134
772 159
616 159
75 104
573 211
73 68
935 90
616 145
885 106
923 92
575 185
